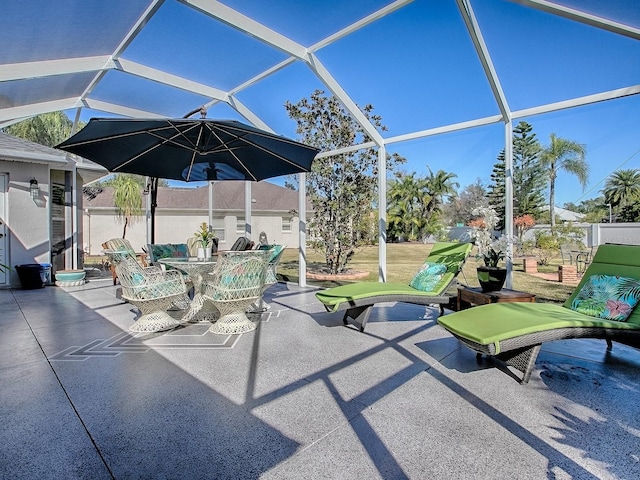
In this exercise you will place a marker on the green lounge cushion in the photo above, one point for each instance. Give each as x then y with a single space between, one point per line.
607 296
515 330
358 299
491 324
333 297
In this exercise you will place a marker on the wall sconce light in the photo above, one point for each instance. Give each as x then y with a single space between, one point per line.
34 190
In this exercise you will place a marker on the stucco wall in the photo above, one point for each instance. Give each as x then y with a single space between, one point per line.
27 219
625 233
176 227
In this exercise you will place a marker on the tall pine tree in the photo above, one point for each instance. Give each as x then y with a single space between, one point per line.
528 177
496 189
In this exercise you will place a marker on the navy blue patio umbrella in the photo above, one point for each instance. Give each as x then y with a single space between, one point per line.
189 150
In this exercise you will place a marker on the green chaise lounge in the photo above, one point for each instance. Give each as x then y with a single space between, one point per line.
514 332
359 298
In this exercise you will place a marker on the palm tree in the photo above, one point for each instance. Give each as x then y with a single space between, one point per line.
565 155
401 212
622 188
438 186
127 198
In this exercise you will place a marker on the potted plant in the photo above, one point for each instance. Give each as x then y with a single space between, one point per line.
205 237
491 251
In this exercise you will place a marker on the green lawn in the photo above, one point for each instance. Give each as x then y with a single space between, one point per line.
404 259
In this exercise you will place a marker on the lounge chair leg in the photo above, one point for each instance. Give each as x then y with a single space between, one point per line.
522 360
360 316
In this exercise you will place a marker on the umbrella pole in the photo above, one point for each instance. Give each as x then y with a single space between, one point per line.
154 203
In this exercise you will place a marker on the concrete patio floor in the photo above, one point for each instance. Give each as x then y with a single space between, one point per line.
302 397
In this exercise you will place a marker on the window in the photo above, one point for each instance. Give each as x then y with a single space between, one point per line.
218 229
286 224
240 225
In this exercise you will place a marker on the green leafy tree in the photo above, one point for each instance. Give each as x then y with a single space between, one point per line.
630 213
46 129
342 188
559 155
622 191
458 209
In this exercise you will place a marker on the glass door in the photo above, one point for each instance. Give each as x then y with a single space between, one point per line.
4 239
61 221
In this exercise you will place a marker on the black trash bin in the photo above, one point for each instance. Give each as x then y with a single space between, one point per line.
32 275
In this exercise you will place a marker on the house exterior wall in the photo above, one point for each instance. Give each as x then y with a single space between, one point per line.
27 219
100 225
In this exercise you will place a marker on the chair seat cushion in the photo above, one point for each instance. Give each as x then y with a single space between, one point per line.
168 250
496 322
333 297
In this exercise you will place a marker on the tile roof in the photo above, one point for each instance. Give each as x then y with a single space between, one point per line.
18 149
227 195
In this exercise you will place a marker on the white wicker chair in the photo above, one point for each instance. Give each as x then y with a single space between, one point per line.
237 282
119 244
151 290
275 254
273 259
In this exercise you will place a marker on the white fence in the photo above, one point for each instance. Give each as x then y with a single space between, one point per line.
599 233
594 233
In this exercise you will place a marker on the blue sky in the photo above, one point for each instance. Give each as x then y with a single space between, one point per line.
418 67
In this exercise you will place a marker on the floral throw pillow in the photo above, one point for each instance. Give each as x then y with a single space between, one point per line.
609 297
428 276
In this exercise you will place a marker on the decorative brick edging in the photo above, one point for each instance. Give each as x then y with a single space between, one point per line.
530 265
567 274
353 275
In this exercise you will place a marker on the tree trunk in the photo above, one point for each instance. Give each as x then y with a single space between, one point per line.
552 199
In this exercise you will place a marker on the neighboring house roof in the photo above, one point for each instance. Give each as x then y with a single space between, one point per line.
567 215
226 196
20 150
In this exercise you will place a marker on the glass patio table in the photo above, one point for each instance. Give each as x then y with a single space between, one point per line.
200 310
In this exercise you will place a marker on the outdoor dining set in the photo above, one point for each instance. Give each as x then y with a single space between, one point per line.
220 289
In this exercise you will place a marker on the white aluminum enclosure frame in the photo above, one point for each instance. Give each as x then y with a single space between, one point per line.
295 52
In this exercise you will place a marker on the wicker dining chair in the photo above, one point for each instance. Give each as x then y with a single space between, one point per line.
273 260
237 282
118 244
151 290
